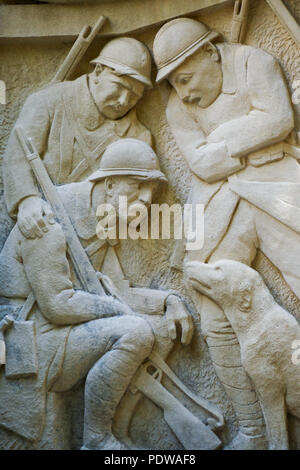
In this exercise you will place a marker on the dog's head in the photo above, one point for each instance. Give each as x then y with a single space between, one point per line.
228 283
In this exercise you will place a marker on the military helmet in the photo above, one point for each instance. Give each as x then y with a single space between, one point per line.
127 56
176 41
129 157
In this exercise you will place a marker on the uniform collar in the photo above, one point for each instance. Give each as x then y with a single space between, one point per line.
122 125
79 203
227 52
86 220
87 111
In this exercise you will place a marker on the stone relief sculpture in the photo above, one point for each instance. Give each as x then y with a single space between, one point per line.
71 124
80 335
229 122
265 332
76 321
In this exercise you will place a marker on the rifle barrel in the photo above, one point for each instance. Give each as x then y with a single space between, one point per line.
84 39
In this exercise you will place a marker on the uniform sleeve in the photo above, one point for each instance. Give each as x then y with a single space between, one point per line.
271 117
48 273
17 176
146 301
209 162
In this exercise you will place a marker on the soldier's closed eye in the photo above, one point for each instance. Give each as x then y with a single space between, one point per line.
120 85
130 93
184 79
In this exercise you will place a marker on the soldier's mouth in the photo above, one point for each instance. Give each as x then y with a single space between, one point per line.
116 108
195 100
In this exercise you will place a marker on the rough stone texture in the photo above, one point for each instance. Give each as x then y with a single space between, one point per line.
26 68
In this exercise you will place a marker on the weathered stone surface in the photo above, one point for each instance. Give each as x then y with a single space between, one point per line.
234 144
66 21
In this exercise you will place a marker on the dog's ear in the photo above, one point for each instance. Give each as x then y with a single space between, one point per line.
245 299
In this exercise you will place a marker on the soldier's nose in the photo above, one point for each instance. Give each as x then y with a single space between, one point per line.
186 99
122 99
193 98
146 196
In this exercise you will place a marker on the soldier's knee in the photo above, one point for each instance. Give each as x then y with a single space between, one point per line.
52 243
55 232
54 238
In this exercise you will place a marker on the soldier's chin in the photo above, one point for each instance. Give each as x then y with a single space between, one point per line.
206 101
114 112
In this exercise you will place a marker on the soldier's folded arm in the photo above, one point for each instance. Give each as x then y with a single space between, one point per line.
210 162
270 119
158 302
48 272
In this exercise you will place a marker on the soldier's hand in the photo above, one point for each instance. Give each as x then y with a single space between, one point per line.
177 314
32 216
107 284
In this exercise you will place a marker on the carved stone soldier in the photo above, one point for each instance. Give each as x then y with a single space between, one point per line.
230 112
82 336
71 123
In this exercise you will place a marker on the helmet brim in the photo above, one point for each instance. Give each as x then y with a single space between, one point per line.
166 70
123 69
143 175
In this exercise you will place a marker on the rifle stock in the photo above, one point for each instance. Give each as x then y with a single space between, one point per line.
190 431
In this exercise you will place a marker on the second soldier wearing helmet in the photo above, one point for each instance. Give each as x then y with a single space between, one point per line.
91 336
129 168
71 124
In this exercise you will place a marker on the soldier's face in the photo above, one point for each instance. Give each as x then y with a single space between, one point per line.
198 80
115 95
137 193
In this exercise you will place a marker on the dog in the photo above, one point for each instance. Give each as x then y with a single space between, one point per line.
266 333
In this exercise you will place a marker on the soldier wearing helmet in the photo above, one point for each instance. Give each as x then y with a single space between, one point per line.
71 123
229 112
82 337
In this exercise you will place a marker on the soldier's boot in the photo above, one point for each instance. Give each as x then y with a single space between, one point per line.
240 389
107 382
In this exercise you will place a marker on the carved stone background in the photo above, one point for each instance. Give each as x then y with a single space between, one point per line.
28 66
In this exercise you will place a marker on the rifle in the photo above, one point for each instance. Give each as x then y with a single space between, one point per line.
84 270
83 41
190 430
239 20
